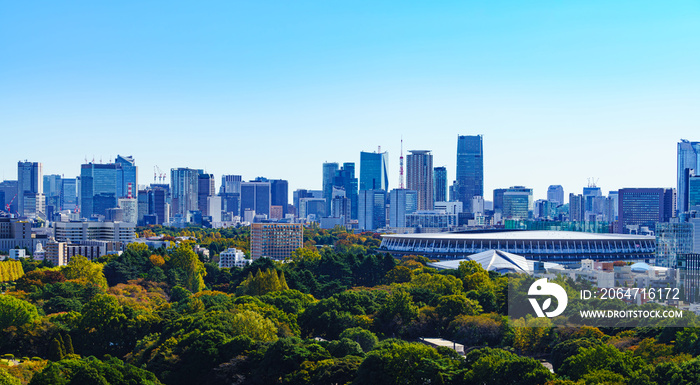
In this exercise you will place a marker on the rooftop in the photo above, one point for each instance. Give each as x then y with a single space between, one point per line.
524 235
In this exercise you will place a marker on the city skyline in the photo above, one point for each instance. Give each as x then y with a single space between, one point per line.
560 93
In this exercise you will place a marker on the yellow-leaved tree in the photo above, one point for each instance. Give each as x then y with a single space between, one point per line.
262 283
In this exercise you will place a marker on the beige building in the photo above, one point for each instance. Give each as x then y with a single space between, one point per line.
275 240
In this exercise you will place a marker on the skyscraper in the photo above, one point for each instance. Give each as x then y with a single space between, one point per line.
184 184
517 202
644 207
555 193
230 184
470 169
280 194
256 196
373 170
372 210
329 170
130 173
30 188
205 188
420 177
345 179
688 158
440 184
401 202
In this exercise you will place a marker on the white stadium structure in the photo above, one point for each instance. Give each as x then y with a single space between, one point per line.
565 247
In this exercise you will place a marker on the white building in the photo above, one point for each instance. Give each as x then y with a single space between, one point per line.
18 253
76 232
131 209
233 258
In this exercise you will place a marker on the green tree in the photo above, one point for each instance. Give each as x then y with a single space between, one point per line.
7 379
365 338
496 366
16 312
602 357
186 259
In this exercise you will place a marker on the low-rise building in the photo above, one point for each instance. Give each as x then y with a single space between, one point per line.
232 257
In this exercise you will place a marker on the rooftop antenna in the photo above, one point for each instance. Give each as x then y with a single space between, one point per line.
401 166
379 149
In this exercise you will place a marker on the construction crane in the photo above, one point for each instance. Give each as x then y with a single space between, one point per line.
7 206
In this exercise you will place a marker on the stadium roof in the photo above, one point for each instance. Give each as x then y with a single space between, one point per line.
498 261
522 235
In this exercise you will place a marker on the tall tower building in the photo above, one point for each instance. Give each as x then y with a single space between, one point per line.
184 187
280 194
372 209
688 158
256 196
329 170
230 184
345 179
401 202
470 169
373 170
420 177
555 193
30 188
440 184
205 188
130 175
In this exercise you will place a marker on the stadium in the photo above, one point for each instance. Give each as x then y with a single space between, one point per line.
564 247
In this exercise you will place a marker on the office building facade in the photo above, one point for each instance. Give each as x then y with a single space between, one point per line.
401 202
440 184
184 187
373 171
644 207
419 167
688 159
372 209
470 168
275 240
555 194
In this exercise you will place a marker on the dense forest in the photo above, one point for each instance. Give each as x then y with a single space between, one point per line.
337 312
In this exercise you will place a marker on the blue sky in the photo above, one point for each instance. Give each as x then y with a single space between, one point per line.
561 91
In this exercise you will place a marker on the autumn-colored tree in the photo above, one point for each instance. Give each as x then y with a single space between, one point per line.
80 268
262 283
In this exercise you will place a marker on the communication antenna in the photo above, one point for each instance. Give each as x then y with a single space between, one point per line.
401 166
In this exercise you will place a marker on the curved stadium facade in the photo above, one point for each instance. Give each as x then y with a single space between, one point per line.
552 246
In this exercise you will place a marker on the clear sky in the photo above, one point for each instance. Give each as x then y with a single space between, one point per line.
561 91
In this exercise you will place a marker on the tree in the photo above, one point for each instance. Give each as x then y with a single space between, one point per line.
601 357
262 283
7 379
450 306
16 312
187 260
80 268
365 338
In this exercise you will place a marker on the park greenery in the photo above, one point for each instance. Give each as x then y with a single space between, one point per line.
338 311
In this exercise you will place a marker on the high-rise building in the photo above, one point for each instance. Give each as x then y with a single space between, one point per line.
52 191
372 209
555 193
230 184
69 194
401 202
576 208
470 168
692 191
9 189
30 189
688 158
517 202
100 185
280 194
130 175
345 179
644 207
498 199
275 240
329 170
256 196
373 170
440 184
419 165
205 188
184 184
130 209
